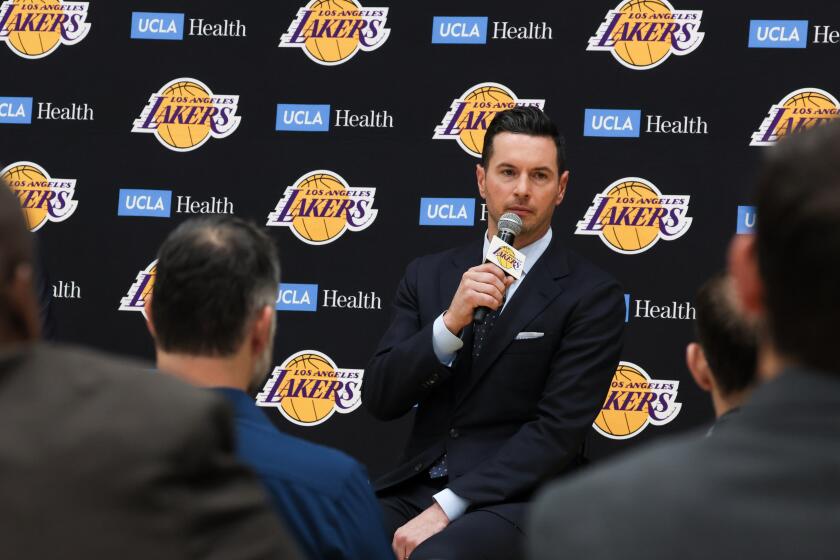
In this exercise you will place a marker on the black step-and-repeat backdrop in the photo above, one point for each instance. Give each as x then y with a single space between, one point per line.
351 132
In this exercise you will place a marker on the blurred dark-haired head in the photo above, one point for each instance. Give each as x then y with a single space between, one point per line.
214 275
18 306
789 273
726 335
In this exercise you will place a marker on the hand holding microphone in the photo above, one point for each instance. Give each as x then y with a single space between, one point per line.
483 287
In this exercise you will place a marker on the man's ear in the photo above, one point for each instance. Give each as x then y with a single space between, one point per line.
561 192
147 311
261 335
746 279
695 359
480 178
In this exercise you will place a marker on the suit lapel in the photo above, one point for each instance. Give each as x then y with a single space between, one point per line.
538 289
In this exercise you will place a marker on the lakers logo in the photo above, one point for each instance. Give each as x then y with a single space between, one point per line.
331 32
184 114
507 258
135 299
798 110
42 198
635 401
36 28
308 388
642 34
320 206
631 215
468 116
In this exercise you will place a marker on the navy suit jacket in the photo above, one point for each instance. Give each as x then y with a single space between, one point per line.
323 495
520 414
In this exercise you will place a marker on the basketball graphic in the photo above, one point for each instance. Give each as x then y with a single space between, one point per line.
303 409
35 28
642 34
799 110
634 401
631 215
331 32
320 206
42 198
321 229
468 116
184 114
625 423
636 237
144 283
189 94
308 388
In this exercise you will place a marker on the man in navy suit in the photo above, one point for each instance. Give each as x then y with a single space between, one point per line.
212 317
503 404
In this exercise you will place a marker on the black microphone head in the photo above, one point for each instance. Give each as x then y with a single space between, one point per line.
510 222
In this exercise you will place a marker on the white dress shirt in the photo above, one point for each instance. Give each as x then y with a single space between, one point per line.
446 346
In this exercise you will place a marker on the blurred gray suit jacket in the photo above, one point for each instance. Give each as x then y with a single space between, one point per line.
100 459
765 485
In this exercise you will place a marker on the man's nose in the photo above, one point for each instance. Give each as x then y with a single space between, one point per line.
522 188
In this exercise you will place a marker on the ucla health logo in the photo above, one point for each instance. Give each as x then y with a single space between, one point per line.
42 198
746 219
642 34
135 299
331 32
619 123
799 110
297 297
184 114
34 29
636 401
631 215
145 203
468 116
320 206
293 117
308 388
459 30
778 34
157 25
447 211
15 110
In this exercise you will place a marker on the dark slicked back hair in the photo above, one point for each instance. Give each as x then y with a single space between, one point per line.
798 245
213 275
727 336
524 120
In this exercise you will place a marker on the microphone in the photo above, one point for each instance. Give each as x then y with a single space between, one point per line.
509 226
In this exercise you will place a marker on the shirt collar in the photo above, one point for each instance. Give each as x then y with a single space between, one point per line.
532 251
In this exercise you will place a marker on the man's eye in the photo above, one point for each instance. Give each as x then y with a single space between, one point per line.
507 172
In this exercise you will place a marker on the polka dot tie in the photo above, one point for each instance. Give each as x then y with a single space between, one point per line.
481 331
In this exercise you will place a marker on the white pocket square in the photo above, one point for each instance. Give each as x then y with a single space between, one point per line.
525 335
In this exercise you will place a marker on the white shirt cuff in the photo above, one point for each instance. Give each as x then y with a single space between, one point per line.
451 503
444 343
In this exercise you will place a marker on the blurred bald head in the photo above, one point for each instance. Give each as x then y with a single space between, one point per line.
18 305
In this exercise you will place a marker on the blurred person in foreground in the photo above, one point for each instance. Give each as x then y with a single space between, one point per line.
723 360
212 316
767 483
101 459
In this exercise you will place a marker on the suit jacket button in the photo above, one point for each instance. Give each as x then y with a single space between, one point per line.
453 433
418 467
